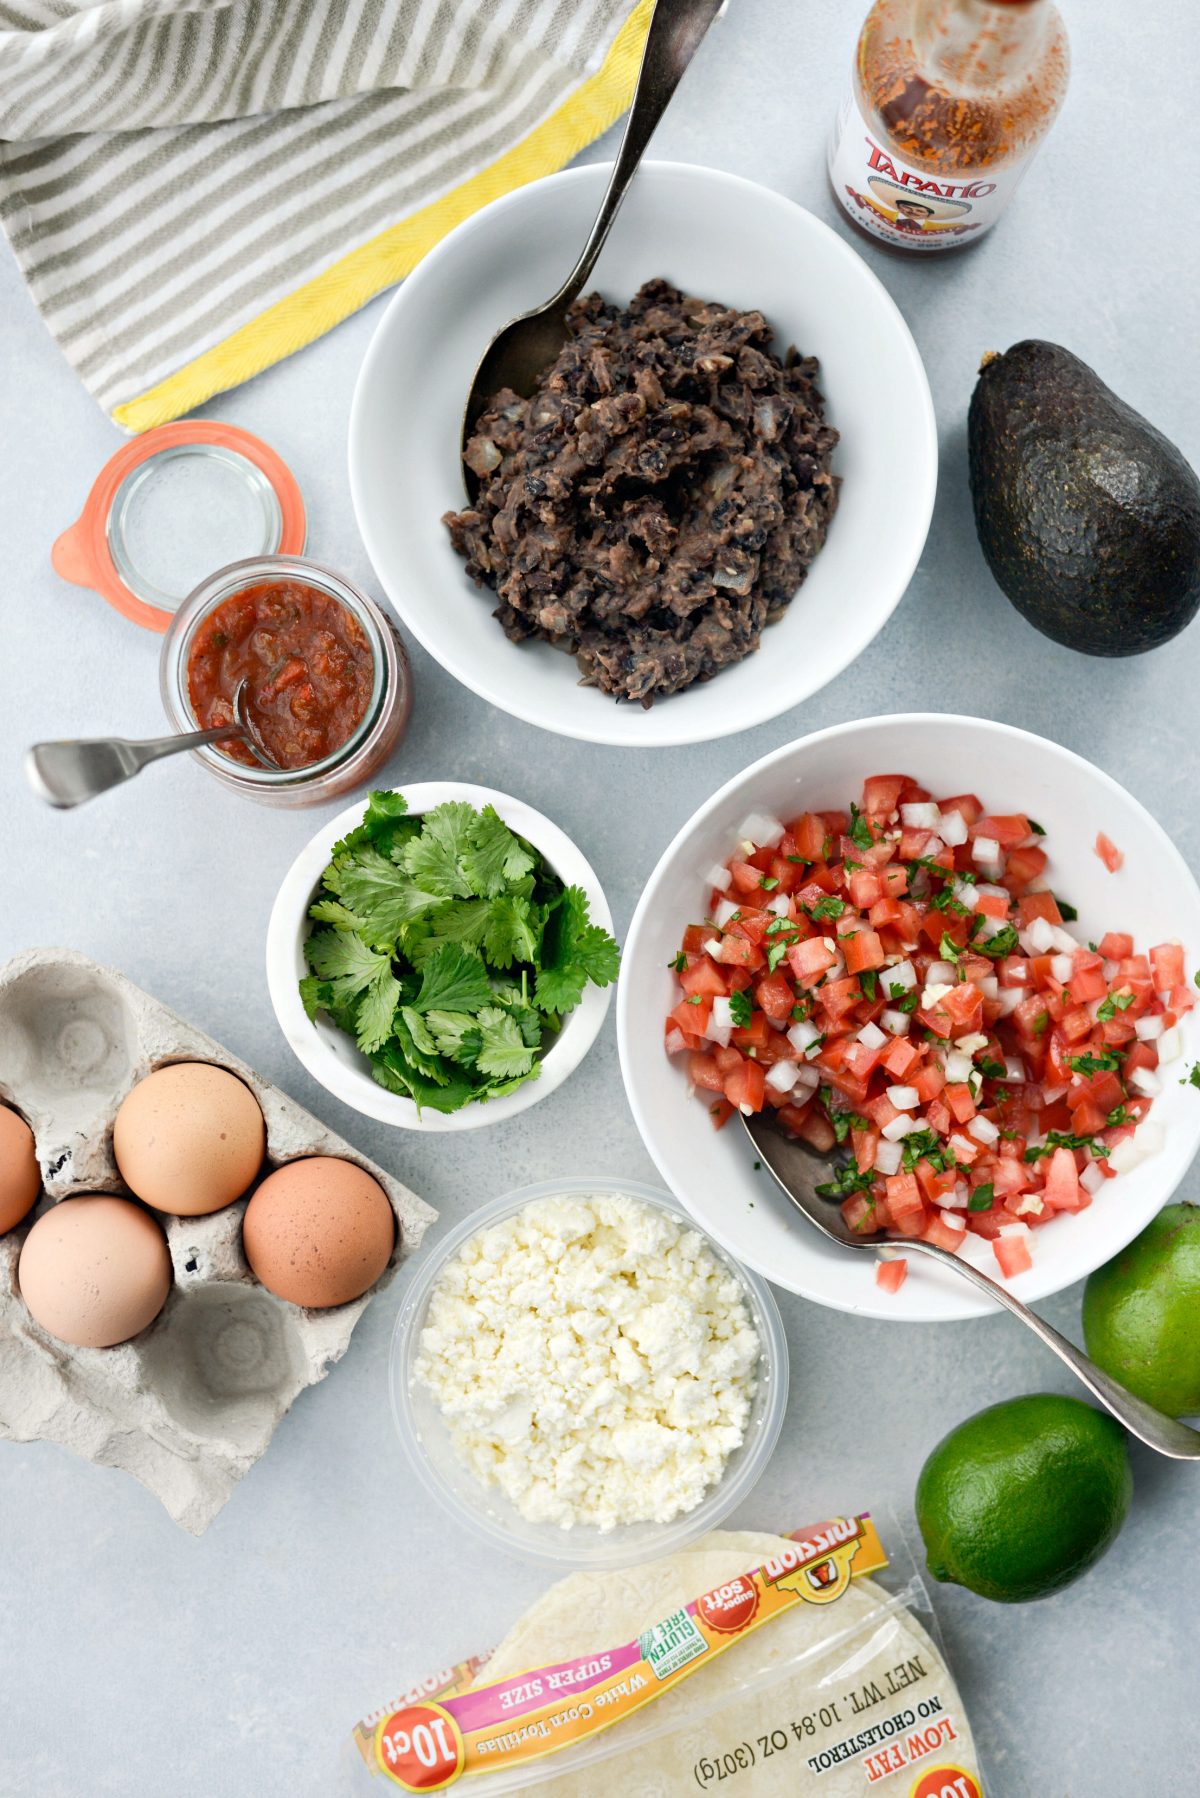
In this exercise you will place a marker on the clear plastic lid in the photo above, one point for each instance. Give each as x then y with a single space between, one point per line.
171 507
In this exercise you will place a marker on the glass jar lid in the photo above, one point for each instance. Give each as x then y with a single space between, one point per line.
171 507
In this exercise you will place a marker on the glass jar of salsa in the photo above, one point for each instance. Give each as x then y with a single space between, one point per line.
328 690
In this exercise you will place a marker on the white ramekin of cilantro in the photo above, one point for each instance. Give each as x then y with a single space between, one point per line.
441 957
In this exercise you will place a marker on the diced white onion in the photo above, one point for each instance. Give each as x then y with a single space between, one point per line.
897 1023
1091 1179
985 851
1062 967
900 1127
972 1042
1146 1082
963 1144
712 946
989 927
1030 1205
989 986
1127 1155
965 891
941 973
950 1220
904 1098
872 1036
1014 1069
956 1200
722 1013
1109 970
781 905
983 1130
675 1044
1148 1029
957 1067
718 1034
922 815
1019 1231
807 1079
1041 936
995 892
1170 1045
953 828
1010 998
1062 940
888 1157
783 1076
803 1035
935 993
761 830
1050 1096
725 910
718 876
903 975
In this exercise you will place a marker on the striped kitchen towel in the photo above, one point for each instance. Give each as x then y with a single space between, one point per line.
195 188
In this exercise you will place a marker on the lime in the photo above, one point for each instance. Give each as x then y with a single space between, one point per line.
1022 1498
1141 1313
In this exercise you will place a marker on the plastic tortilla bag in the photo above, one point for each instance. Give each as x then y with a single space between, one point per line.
753 1664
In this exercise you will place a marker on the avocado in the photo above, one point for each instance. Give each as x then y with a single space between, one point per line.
1089 518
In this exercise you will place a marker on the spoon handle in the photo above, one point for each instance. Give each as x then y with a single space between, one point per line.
70 772
1152 1427
676 30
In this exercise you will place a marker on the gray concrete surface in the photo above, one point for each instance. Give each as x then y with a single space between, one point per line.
135 1661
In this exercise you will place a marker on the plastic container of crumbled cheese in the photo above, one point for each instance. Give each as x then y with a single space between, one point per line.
569 1430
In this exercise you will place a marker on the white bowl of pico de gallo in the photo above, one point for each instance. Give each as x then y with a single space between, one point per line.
956 957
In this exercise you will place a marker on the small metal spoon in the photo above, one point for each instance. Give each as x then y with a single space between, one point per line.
70 772
799 1170
517 355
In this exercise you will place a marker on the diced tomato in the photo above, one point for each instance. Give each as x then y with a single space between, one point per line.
753 1035
692 1015
1062 1189
739 952
1012 1252
810 961
720 1113
1114 945
1166 963
900 1056
703 977
817 1131
745 1086
881 794
891 1275
1109 854
704 1073
865 888
862 950
859 1213
1087 983
927 1082
938 1231
840 996
1024 865
746 877
969 808
1037 905
775 996
1007 829
961 1103
696 935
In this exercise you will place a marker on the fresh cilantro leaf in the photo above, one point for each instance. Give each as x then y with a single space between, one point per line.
908 1001
1106 1063
860 831
495 857
679 963
463 921
1003 943
924 1145
1120 1114
768 883
740 1009
1069 912
1040 1023
513 932
982 1197
1113 1004
384 825
415 1047
990 1068
332 911
1193 1077
1064 1139
828 907
573 952
391 1070
315 995
503 1051
380 893
453 979
949 950
848 1180
377 1011
776 952
434 859
456 1034
340 956
944 901
868 980
1035 827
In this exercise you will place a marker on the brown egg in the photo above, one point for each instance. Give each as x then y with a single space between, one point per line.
319 1232
20 1176
95 1271
189 1138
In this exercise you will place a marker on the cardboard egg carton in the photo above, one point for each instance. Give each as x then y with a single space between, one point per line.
189 1405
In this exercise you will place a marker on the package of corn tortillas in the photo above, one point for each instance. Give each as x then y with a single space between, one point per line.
753 1664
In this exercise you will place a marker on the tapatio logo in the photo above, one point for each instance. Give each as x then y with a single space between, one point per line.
881 162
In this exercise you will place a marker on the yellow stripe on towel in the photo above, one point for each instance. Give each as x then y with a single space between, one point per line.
330 297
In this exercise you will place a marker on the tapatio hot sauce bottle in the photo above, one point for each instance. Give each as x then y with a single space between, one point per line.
949 103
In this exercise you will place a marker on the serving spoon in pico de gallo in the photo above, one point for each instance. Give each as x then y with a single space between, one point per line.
528 344
75 770
798 1170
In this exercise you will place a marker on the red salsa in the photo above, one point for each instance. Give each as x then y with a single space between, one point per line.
309 666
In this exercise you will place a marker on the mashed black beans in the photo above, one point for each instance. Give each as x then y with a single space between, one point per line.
659 497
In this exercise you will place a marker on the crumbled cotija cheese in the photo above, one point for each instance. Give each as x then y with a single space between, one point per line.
592 1359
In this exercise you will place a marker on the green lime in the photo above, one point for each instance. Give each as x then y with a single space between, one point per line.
1022 1498
1141 1313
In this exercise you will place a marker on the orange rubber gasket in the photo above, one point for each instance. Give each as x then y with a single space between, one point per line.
82 555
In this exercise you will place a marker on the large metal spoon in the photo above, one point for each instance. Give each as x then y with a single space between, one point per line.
528 344
72 771
799 1170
